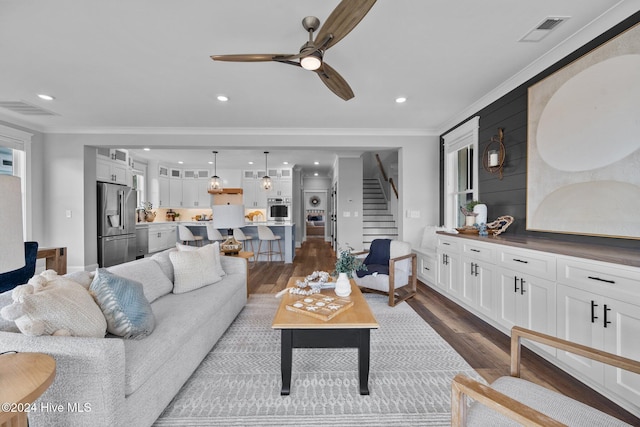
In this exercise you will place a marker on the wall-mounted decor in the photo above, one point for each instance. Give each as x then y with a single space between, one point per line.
494 154
584 144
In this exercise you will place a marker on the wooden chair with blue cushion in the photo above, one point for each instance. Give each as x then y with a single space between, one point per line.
11 279
391 270
510 400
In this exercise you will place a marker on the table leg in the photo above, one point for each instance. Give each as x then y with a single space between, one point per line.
286 356
363 360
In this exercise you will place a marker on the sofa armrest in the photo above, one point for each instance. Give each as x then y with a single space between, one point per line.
89 381
234 265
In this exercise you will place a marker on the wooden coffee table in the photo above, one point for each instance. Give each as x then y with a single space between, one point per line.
349 329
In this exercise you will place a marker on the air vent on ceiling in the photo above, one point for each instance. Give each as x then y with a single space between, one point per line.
25 108
544 28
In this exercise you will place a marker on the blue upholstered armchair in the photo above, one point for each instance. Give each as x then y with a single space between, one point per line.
11 279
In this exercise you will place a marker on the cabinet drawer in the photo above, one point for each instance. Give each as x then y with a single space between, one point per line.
479 251
448 244
535 263
613 280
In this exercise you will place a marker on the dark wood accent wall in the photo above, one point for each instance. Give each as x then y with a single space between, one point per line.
509 195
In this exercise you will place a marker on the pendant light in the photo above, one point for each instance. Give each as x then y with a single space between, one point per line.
266 180
215 184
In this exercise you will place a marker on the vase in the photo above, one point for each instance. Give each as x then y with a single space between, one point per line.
343 285
469 220
481 210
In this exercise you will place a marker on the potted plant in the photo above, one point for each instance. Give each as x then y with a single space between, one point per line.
346 264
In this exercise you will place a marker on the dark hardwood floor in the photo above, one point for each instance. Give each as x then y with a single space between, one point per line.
485 348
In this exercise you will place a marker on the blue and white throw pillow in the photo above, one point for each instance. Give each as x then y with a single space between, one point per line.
122 301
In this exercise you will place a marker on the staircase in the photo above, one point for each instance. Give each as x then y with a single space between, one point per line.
377 221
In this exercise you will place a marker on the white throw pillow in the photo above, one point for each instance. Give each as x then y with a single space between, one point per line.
194 269
216 248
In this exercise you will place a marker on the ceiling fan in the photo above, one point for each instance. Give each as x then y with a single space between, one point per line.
340 22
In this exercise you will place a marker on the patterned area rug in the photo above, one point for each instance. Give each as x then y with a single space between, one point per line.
238 383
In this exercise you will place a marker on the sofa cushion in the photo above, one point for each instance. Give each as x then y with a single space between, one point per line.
122 301
194 269
216 256
163 260
147 272
198 310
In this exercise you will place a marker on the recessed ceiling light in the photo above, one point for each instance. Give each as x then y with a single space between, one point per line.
315 174
210 163
250 163
223 98
285 163
147 149
316 163
401 99
180 162
45 97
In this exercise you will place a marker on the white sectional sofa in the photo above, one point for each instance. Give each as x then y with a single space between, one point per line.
130 382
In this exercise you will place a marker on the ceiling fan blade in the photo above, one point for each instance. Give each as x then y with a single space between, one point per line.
250 57
343 19
334 81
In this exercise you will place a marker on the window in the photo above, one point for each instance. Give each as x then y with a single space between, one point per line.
460 170
15 153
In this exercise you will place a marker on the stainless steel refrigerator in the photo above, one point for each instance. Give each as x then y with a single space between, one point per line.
116 224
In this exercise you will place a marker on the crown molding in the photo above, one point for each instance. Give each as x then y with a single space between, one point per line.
242 131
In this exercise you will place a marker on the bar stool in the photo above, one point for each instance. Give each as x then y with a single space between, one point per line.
239 235
185 235
265 234
213 235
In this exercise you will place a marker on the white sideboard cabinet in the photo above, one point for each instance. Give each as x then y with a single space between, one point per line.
592 299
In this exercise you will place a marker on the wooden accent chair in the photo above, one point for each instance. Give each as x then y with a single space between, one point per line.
400 281
525 402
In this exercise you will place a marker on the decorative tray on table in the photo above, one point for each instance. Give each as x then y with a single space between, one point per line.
468 230
323 307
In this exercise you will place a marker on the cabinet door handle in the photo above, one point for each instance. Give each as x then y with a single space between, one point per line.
475 273
474 250
606 309
472 264
445 243
515 284
426 268
601 280
522 291
521 260
593 311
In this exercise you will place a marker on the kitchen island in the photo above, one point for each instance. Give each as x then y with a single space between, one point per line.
285 230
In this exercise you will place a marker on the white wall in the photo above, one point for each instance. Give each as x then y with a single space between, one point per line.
65 188
349 210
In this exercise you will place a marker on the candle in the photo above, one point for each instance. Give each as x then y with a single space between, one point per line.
493 159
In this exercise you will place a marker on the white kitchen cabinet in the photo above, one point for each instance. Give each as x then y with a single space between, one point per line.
427 265
449 267
253 195
194 193
527 301
163 192
115 172
479 290
117 155
175 193
599 306
161 237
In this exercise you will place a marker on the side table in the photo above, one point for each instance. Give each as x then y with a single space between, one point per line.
245 255
23 378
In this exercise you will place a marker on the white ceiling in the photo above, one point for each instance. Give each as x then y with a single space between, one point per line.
121 65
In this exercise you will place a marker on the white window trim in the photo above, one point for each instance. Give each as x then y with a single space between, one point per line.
463 136
21 141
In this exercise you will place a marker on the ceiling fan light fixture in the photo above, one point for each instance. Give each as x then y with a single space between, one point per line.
312 61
